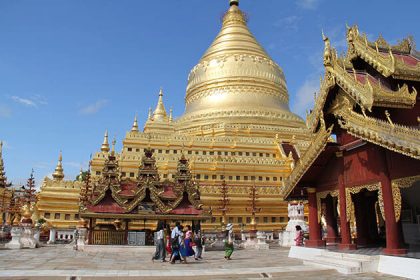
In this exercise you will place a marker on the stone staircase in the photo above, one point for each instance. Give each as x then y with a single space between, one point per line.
342 262
345 263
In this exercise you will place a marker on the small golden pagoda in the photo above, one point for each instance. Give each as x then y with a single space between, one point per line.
58 199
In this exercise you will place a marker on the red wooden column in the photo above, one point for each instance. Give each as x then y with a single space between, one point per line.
393 245
314 226
344 225
331 221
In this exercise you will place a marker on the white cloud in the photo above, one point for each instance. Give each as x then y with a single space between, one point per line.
308 4
93 108
304 98
288 23
5 111
23 101
33 101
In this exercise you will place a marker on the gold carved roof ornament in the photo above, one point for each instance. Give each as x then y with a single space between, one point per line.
105 144
320 139
399 138
388 60
58 174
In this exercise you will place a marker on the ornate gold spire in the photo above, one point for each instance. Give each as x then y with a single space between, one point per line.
105 144
113 146
236 82
3 178
160 113
58 173
135 127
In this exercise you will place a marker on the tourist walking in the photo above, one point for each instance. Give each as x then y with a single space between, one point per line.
229 241
199 242
160 253
168 240
299 236
189 251
176 243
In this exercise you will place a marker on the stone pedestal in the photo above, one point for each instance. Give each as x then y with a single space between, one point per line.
296 218
82 237
51 240
15 243
261 241
27 238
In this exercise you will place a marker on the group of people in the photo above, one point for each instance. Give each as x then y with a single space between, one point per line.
177 243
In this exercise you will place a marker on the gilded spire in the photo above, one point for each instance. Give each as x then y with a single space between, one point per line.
105 144
234 2
160 113
58 173
3 178
135 127
81 175
170 114
113 146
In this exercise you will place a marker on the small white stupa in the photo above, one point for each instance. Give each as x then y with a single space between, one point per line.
296 217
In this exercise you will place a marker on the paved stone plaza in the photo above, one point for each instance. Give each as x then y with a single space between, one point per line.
59 262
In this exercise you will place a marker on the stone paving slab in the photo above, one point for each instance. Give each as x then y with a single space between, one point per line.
59 262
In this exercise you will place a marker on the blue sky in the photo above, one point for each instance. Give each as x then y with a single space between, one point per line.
70 69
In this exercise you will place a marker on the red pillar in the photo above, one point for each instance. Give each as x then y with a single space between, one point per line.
393 245
344 225
314 226
331 221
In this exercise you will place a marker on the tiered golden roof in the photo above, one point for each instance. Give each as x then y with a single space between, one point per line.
236 84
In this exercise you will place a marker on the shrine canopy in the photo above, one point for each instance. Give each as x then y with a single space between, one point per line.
146 197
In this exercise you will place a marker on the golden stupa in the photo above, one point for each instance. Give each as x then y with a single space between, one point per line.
237 129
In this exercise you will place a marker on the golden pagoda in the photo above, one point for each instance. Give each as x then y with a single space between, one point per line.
58 199
237 128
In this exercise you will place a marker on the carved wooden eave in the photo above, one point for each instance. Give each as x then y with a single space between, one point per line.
382 56
364 89
401 139
320 140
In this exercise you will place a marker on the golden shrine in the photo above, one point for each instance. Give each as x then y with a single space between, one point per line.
237 129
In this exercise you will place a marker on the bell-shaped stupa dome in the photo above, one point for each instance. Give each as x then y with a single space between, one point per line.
236 84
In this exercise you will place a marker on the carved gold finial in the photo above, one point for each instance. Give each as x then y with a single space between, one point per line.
81 175
105 144
234 2
149 117
113 145
58 172
170 114
327 50
135 127
388 117
376 47
354 74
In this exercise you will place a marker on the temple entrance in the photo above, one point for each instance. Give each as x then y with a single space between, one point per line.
410 217
369 225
